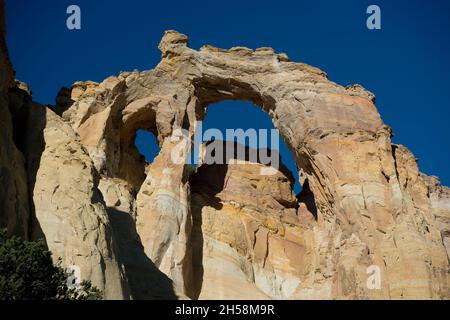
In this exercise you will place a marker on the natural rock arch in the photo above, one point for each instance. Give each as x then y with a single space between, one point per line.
373 205
299 99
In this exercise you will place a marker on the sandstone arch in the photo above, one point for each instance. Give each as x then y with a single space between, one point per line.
373 205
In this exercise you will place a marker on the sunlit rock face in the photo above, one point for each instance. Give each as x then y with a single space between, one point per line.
364 201
49 186
247 240
224 231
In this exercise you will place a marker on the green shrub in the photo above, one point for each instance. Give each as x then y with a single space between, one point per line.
28 273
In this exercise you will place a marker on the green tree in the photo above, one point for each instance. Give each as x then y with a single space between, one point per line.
28 273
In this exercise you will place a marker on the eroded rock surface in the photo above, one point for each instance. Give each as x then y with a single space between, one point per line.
370 204
49 186
247 239
14 204
364 201
69 210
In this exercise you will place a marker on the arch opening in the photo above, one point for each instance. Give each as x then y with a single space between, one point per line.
147 145
234 115
232 207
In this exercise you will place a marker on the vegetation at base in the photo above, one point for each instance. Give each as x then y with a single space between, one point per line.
27 272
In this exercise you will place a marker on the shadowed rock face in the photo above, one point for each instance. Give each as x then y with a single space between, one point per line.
49 186
363 203
14 207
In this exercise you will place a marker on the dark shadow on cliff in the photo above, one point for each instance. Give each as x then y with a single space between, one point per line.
205 184
306 196
146 281
63 101
29 120
35 148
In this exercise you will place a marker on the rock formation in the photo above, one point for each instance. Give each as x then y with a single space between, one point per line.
50 187
74 176
14 204
247 239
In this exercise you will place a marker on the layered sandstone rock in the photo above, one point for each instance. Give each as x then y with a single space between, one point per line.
228 231
364 202
247 239
49 186
14 204
69 209
440 206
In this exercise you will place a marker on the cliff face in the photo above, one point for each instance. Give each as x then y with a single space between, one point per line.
364 202
247 240
14 209
49 186
224 231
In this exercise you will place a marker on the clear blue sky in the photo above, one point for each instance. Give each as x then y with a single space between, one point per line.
406 64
